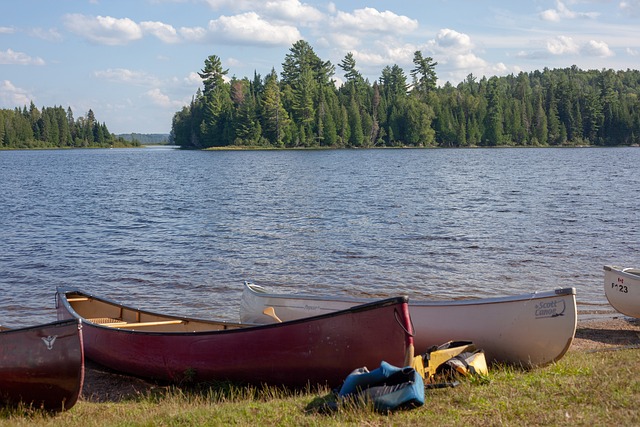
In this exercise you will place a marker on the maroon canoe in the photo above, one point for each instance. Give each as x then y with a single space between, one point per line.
42 366
316 350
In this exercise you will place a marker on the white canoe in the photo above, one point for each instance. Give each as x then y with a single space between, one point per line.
533 329
622 288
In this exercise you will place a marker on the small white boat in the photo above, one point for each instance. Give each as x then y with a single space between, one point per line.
622 288
533 329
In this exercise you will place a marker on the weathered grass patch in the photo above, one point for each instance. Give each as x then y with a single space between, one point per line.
582 389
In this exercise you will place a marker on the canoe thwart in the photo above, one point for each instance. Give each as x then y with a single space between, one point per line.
119 323
106 320
142 324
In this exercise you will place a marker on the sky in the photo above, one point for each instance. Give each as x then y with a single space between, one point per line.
136 62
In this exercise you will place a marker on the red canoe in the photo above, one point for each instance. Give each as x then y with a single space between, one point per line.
42 365
315 350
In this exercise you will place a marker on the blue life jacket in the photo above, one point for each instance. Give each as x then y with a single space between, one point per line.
387 387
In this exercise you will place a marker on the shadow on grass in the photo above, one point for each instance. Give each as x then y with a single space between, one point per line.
611 336
103 384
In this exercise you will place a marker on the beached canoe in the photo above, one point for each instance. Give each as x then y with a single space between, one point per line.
532 329
317 350
622 289
42 366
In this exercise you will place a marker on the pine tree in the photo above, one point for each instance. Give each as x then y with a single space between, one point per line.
424 74
356 137
216 103
275 118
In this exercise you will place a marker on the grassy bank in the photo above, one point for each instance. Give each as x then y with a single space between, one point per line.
584 388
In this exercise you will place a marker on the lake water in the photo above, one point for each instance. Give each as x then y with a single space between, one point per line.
179 231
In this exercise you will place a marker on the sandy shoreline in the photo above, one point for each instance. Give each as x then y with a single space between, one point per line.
592 334
606 333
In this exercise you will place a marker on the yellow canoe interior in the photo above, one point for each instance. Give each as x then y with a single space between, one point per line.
116 316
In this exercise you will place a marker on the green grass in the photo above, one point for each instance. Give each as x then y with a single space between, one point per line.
597 388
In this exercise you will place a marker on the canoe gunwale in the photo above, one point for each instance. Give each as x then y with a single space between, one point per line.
259 291
58 323
624 271
235 327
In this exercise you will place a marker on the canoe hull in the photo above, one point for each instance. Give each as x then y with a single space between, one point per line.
42 366
320 350
622 289
531 330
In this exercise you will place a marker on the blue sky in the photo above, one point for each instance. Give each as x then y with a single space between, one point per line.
135 62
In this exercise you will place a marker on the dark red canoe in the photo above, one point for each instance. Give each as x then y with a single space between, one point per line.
316 350
42 365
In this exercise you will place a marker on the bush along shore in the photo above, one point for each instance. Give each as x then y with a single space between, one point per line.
595 383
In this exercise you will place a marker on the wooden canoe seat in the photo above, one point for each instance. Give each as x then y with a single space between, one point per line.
78 299
109 321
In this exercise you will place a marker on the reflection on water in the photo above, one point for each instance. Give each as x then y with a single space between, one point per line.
179 231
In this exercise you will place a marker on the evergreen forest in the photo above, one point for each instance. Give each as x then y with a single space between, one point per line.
303 107
55 127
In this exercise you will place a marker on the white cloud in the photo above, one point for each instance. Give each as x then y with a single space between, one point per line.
245 28
455 49
11 57
295 7
103 29
164 32
631 7
452 41
457 57
500 68
532 55
51 35
563 12
385 52
562 45
371 20
12 96
123 75
193 79
250 28
597 48
157 97
340 40
400 53
370 58
632 52
550 15
114 31
467 60
195 34
567 46
233 62
234 4
7 30
292 11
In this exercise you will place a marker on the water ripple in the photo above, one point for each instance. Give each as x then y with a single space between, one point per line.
178 231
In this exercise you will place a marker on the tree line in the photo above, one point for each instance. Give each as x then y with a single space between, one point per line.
54 127
303 107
